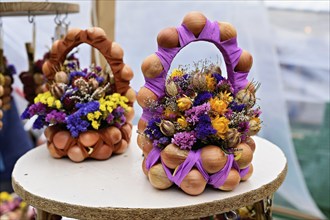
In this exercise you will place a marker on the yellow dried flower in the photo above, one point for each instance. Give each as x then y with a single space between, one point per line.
111 102
168 113
90 116
22 205
5 196
42 97
221 125
226 97
102 107
124 99
210 82
50 101
184 103
182 122
95 124
176 73
58 104
218 105
97 114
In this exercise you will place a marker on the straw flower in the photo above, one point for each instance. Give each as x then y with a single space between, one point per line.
221 125
184 103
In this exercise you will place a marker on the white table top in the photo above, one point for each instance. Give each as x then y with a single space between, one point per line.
118 188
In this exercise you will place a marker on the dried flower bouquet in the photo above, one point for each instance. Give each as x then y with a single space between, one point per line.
196 124
88 112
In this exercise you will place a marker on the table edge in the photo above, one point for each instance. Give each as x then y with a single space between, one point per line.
190 211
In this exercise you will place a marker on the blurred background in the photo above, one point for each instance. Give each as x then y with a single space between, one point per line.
289 41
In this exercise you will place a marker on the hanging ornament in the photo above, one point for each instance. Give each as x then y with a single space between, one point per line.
6 80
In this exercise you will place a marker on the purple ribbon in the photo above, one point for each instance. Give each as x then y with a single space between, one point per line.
219 178
211 33
194 160
231 53
153 157
146 114
186 166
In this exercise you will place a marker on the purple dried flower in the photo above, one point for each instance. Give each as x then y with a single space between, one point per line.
98 68
153 131
202 97
99 79
193 119
162 142
225 85
37 109
119 122
39 122
88 107
71 65
76 74
204 127
55 117
110 118
85 70
185 140
237 107
118 111
257 112
76 125
68 104
218 77
243 127
11 70
229 113
182 82
26 114
193 114
155 143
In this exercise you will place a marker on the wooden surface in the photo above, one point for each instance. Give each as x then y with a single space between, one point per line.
25 8
118 189
105 19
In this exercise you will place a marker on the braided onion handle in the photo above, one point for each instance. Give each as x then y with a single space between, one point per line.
96 38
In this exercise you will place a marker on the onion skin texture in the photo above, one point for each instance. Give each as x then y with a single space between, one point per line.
158 178
121 147
145 171
77 153
249 141
249 174
62 139
168 38
246 155
195 22
194 183
144 96
213 158
145 144
232 181
172 156
152 66
89 138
